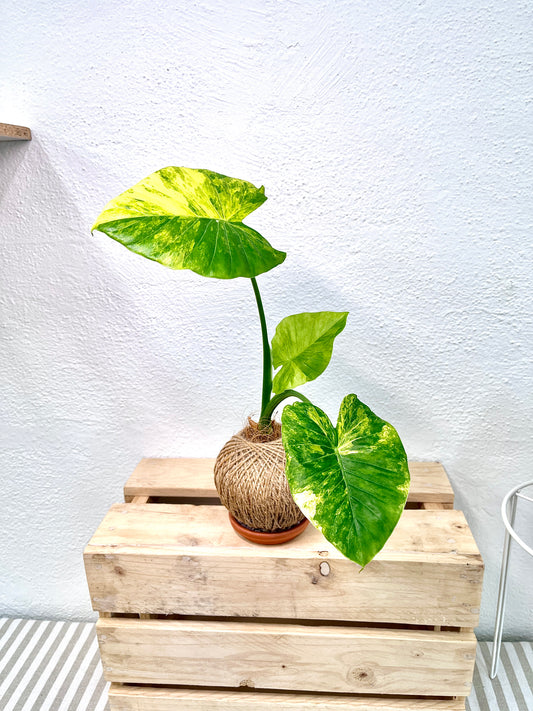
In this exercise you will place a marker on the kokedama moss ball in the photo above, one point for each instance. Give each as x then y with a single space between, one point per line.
251 482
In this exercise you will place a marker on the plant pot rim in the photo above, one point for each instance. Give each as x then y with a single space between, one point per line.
265 537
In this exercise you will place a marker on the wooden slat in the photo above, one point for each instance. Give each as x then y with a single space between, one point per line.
193 478
143 698
293 657
10 132
180 477
164 558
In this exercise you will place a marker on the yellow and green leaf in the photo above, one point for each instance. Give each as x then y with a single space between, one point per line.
352 480
302 346
192 219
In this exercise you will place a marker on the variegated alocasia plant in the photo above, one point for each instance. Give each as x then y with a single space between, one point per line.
350 480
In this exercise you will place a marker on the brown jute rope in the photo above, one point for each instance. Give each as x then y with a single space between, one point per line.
251 482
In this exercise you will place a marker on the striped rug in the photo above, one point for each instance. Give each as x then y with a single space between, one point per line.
50 666
55 666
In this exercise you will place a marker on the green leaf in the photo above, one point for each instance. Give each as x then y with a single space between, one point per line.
302 345
350 481
192 219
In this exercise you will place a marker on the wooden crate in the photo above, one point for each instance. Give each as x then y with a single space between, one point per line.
194 617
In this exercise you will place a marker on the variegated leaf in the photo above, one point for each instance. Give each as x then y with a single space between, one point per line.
352 480
302 346
192 219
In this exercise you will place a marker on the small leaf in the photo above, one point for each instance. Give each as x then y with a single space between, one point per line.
302 345
350 481
192 219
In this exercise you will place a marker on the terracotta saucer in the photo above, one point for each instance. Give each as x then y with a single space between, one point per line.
268 538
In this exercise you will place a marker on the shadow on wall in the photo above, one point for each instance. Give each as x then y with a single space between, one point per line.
13 156
69 424
84 371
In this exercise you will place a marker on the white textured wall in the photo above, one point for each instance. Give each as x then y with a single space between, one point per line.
393 139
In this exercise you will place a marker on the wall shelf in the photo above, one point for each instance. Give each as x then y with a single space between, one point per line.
9 132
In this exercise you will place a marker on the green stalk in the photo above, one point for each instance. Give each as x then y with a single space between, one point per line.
267 357
267 413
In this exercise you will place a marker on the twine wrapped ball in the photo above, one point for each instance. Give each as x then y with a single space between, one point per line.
251 482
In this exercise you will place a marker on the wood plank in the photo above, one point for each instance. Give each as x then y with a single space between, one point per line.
146 698
164 559
140 499
10 132
180 477
292 657
193 478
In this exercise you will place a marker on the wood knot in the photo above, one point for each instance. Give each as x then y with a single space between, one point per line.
247 683
188 541
363 676
119 570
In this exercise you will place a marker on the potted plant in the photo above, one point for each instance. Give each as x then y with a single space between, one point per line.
350 479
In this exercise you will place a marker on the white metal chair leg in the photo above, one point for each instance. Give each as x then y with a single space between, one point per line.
502 593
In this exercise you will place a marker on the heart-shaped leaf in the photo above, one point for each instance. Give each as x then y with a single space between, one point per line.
302 346
350 481
192 219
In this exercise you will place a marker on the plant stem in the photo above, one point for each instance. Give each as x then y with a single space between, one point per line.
267 355
268 411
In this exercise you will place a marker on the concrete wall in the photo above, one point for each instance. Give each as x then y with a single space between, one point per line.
394 142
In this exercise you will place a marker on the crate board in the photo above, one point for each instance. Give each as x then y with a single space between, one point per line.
184 601
142 698
193 478
277 656
164 558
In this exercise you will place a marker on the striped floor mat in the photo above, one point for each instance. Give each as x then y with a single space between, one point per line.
50 666
55 666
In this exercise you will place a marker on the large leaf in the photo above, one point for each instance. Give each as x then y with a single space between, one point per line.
192 219
350 481
302 346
